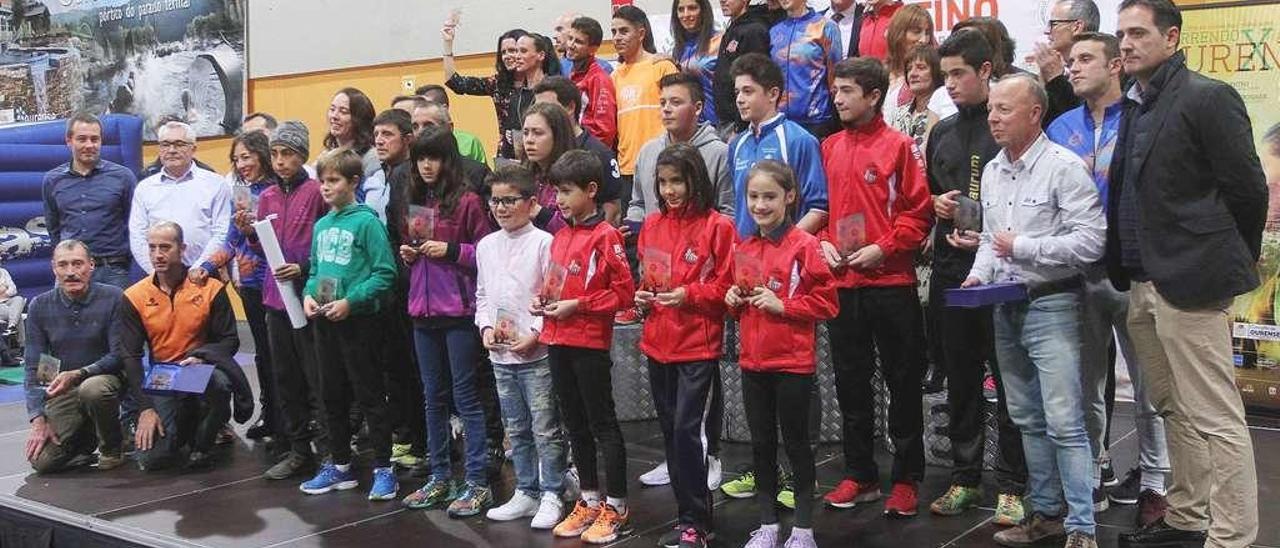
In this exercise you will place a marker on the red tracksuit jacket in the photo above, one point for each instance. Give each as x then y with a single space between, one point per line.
596 274
877 171
794 270
700 250
599 103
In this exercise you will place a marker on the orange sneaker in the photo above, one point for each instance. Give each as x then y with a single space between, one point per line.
608 527
579 520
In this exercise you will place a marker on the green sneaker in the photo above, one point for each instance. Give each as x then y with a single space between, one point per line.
957 499
400 449
1009 510
408 461
787 492
437 492
742 488
473 500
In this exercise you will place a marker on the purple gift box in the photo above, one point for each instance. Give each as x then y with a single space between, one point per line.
987 294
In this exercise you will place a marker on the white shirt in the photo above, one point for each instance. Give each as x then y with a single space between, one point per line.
1048 199
509 271
199 201
845 24
377 194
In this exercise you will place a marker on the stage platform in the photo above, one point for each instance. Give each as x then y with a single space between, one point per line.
232 506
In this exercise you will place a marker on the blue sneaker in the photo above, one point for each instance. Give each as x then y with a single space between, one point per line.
329 478
385 486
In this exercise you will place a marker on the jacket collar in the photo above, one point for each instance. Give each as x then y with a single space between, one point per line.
768 125
779 232
1159 80
968 112
866 130
589 222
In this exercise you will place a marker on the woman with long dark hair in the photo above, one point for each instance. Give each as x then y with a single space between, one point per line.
447 219
547 135
697 48
350 120
521 61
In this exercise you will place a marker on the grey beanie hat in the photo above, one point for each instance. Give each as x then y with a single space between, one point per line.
293 134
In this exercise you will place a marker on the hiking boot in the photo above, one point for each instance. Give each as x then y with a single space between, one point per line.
1033 530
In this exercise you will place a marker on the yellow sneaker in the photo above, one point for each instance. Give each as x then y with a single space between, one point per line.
608 527
578 521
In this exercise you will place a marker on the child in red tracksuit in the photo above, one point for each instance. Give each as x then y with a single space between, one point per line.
782 289
685 251
880 210
589 282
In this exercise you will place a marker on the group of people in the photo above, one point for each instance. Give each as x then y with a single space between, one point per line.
791 169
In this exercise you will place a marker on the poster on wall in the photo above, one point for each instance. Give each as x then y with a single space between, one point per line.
156 59
1241 46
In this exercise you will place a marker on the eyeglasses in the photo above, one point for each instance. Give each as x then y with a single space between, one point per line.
174 144
506 201
1053 23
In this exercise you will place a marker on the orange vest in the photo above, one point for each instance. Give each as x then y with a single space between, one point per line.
174 325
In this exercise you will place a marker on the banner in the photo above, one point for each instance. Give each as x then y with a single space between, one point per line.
157 59
1241 46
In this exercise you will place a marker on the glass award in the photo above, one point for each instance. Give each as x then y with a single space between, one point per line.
506 327
47 369
420 224
748 271
328 289
243 198
655 270
851 234
968 214
552 284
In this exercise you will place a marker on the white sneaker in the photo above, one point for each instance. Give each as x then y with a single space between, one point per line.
657 476
572 485
549 512
713 473
520 506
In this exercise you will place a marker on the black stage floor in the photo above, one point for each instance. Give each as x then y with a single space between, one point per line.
232 506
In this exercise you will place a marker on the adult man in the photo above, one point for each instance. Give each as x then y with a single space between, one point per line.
1090 131
599 105
259 121
181 323
847 15
771 136
197 199
877 187
1042 223
1188 201
958 149
392 133
72 327
88 199
158 164
747 32
1067 18
468 144
561 91
682 103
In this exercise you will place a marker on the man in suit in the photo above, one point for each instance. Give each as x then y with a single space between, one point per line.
1186 212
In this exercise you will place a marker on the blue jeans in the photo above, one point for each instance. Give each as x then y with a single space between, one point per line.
447 360
112 275
532 420
1038 347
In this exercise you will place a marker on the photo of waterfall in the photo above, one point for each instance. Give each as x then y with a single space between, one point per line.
156 59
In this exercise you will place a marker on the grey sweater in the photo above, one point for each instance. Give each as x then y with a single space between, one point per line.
644 197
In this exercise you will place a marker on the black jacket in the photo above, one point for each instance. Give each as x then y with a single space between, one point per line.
749 33
1188 152
1062 97
958 150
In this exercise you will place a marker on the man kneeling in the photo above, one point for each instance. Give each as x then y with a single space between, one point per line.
72 378
182 323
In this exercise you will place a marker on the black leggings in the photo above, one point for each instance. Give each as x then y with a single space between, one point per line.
584 386
776 400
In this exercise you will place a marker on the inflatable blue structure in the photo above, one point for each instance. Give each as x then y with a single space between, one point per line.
27 152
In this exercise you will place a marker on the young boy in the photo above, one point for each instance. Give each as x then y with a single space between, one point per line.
351 270
588 257
511 264
599 103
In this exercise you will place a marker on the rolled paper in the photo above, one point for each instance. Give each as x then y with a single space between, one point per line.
275 259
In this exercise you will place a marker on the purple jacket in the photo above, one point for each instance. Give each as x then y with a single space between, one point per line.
446 287
296 211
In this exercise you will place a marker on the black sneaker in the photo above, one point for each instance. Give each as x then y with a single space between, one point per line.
1127 491
692 538
1108 475
258 431
1100 500
198 461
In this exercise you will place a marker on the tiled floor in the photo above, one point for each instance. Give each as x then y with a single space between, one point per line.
232 506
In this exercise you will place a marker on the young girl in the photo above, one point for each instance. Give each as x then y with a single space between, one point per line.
351 270
442 288
548 134
783 287
350 118
685 253
697 47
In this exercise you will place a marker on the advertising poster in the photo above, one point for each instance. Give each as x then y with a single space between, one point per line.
1241 46
157 59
